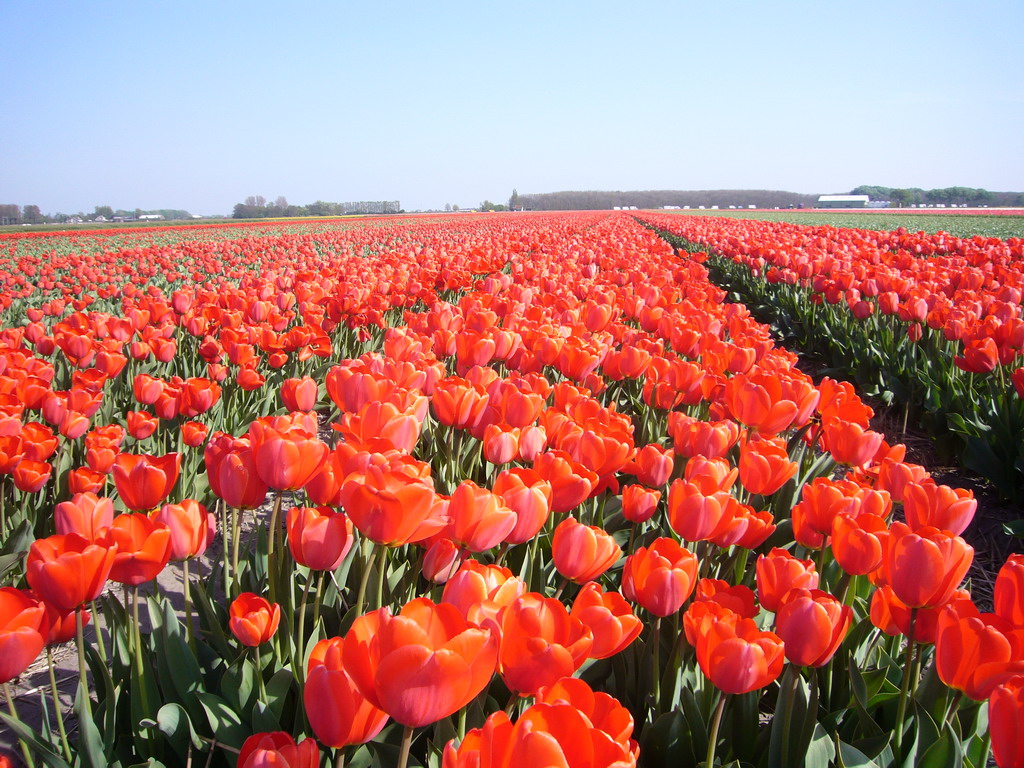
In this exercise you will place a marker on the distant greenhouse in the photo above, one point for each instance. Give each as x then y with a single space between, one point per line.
843 201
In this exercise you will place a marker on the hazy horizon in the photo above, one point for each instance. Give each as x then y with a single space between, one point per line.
198 106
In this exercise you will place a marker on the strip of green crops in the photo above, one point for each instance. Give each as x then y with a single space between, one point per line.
959 225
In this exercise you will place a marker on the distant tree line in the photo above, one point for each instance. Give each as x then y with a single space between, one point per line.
969 196
603 200
258 207
31 214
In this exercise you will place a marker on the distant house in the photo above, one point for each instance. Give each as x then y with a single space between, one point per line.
150 216
843 201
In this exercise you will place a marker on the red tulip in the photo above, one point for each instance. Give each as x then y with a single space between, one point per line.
925 566
337 712
278 750
737 657
582 552
144 481
319 537
23 631
143 548
1009 591
608 616
812 624
660 577
479 518
67 571
253 619
192 528
85 514
1006 723
778 574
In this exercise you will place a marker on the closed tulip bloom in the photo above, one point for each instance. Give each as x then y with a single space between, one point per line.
85 514
441 559
778 574
337 712
653 465
710 475
501 443
660 577
1006 723
738 598
457 403
737 657
812 624
639 503
193 433
695 437
1009 591
858 542
143 548
974 654
31 476
287 450
422 664
939 506
231 469
765 466
23 631
540 643
479 519
192 528
299 394
141 424
319 537
278 750
608 616
894 476
85 480
582 552
758 401
527 494
603 711
696 515
925 566
144 481
69 570
253 619
850 443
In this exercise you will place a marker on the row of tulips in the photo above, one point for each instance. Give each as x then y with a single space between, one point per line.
929 322
511 488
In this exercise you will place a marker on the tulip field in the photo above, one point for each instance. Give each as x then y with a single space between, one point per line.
500 490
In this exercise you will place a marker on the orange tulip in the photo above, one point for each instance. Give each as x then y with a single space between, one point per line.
319 537
812 624
608 616
892 615
143 548
390 507
232 472
540 643
1009 591
278 749
639 503
527 494
287 450
299 394
571 482
458 403
737 657
337 712
949 509
660 577
1006 723
925 566
253 619
974 654
482 592
779 573
23 630
849 443
582 552
192 528
765 466
694 437
479 519
69 570
421 665
738 598
85 514
144 481
696 515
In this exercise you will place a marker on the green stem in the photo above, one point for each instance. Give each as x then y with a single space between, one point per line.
100 642
339 758
236 535
403 755
55 695
367 558
382 566
561 587
188 605
271 539
137 645
14 713
656 664
300 647
908 672
716 722
83 680
951 712
259 675
318 599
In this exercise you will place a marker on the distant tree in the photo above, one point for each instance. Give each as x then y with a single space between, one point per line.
104 210
455 208
281 202
486 205
256 201
901 198
32 214
10 214
513 201
447 207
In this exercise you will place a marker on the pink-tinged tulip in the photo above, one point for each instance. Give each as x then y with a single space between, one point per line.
582 552
143 548
812 624
337 712
23 631
527 494
778 574
85 514
278 750
319 537
608 616
144 481
660 577
939 506
925 566
192 528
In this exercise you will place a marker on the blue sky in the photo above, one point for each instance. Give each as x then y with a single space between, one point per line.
196 105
